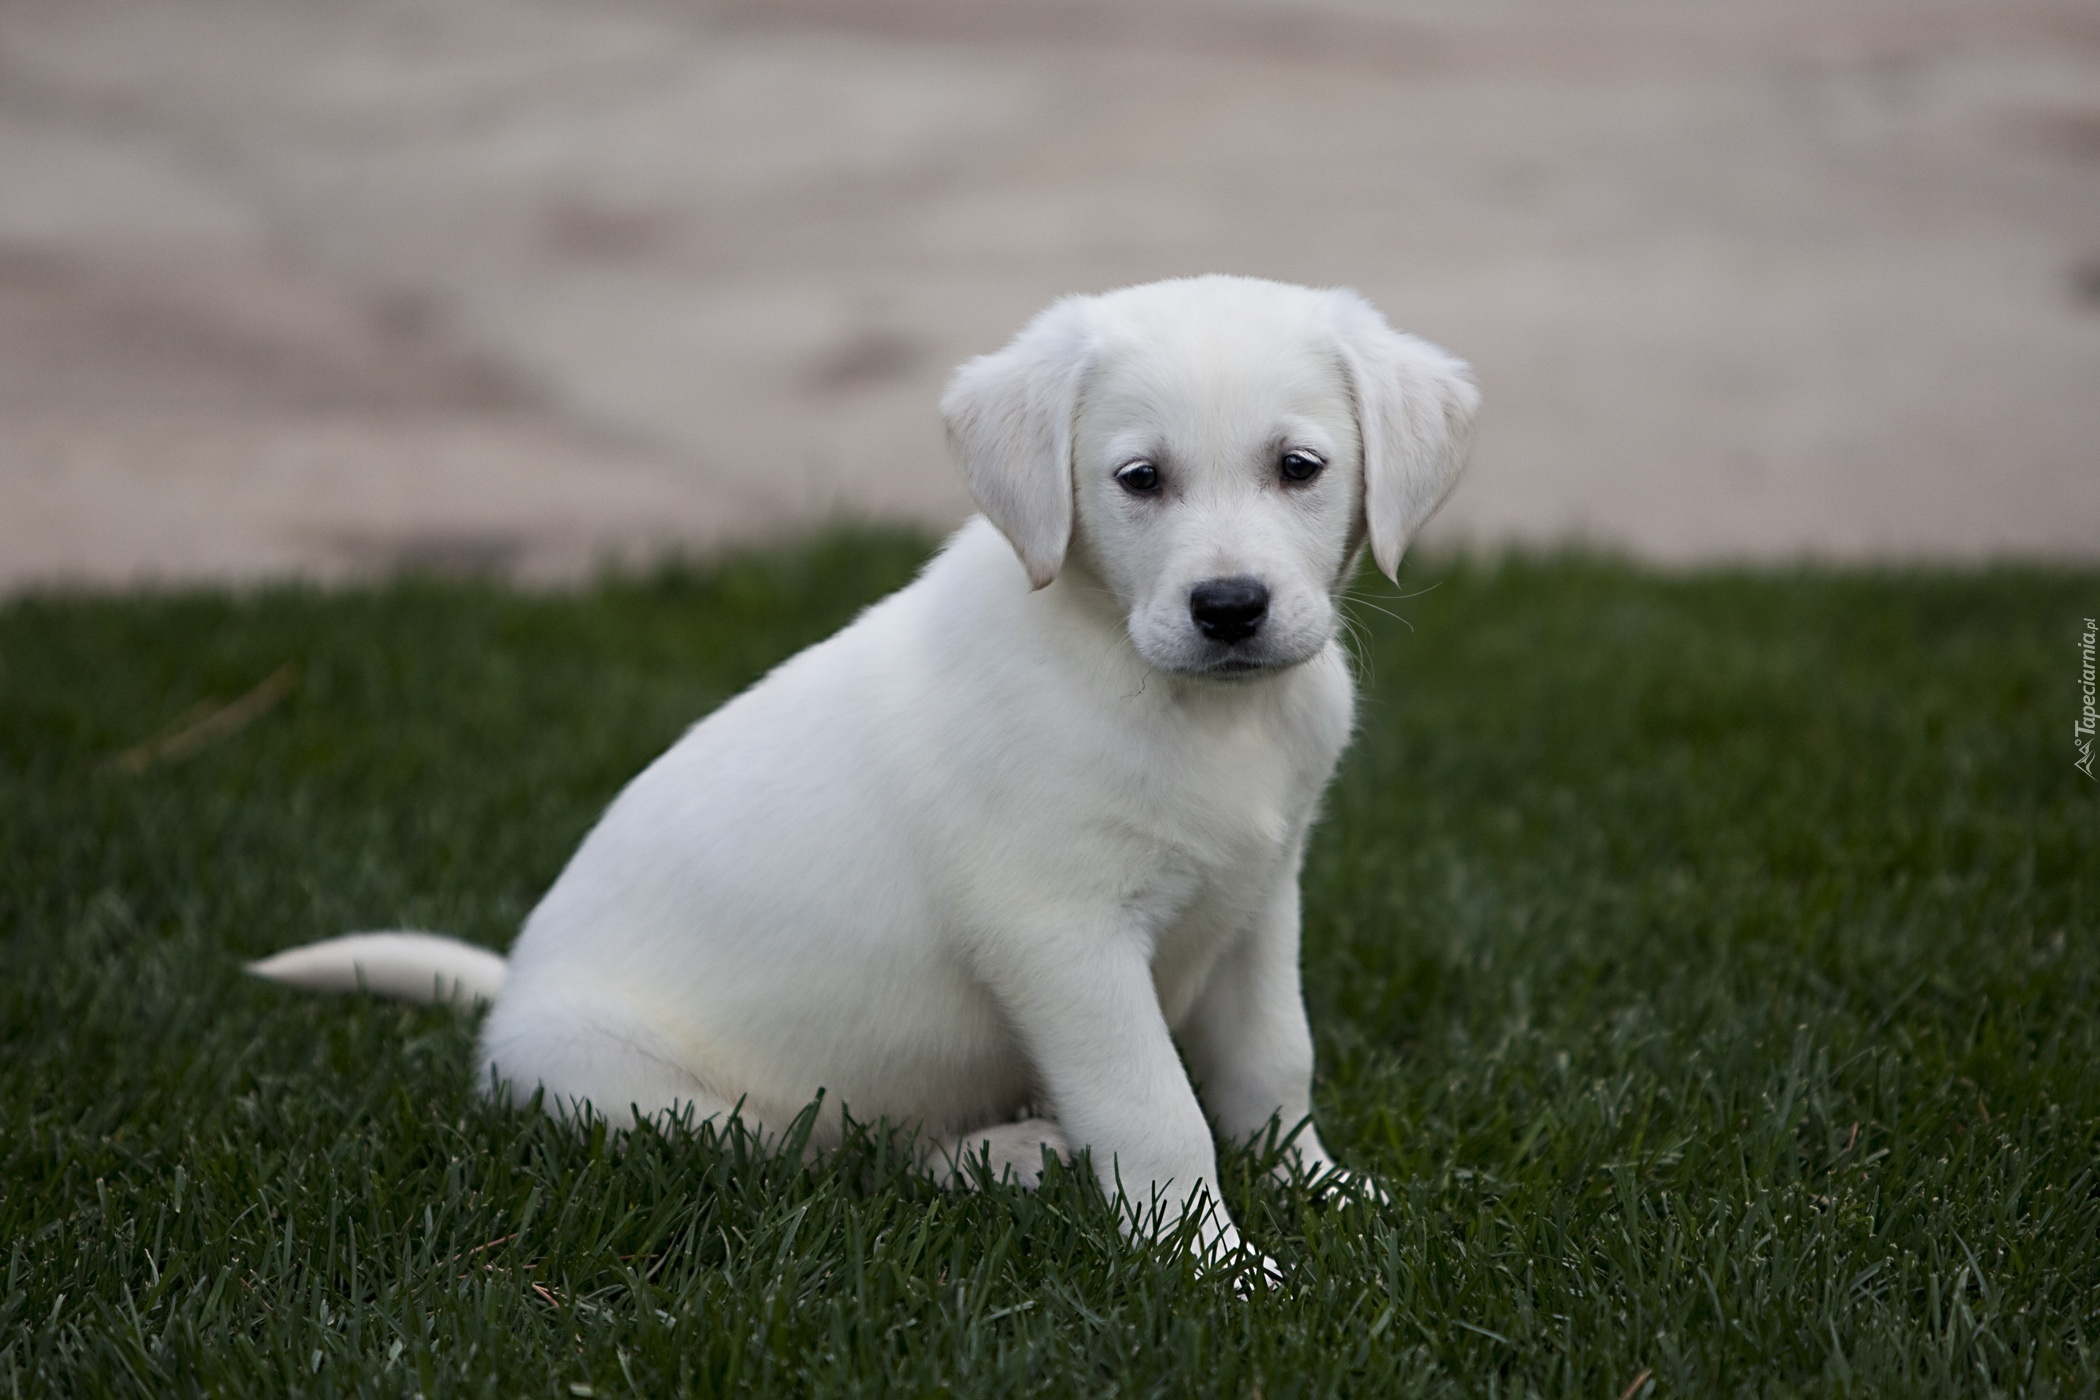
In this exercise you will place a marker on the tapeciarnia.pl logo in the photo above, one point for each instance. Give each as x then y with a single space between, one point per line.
2088 717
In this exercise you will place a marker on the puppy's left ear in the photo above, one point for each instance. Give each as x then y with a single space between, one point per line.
1009 417
1414 407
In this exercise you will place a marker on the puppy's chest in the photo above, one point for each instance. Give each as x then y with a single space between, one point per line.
1206 840
1220 798
1210 828
1222 830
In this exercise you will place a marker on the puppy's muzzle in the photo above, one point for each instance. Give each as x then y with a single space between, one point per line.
1229 609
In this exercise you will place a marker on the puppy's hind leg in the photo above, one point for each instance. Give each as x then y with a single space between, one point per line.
1011 1152
577 1053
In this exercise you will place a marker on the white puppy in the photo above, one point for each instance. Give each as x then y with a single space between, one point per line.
1025 824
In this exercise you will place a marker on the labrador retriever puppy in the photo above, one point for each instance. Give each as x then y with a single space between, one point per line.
1028 823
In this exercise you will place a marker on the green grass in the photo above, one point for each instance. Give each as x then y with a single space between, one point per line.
1709 963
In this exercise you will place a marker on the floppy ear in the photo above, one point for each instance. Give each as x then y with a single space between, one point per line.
1414 408
1009 418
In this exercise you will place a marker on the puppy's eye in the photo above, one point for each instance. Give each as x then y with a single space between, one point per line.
1139 478
1301 466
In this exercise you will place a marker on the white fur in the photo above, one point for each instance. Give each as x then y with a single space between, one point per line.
1020 828
411 966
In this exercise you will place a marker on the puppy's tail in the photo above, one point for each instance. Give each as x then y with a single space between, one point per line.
423 967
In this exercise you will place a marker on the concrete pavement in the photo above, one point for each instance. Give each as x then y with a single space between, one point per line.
290 287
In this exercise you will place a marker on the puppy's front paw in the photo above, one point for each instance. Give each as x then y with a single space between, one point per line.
1256 1273
1224 1253
1328 1182
1354 1188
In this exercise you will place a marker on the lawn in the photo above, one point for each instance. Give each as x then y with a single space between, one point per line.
1709 963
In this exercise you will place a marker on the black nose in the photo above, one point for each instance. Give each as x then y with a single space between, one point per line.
1229 609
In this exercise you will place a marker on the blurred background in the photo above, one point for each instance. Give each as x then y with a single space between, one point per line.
330 287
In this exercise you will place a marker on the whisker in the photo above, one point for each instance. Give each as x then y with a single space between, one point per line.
1366 602
1364 651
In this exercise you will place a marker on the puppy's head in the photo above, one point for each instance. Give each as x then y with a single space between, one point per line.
1215 450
